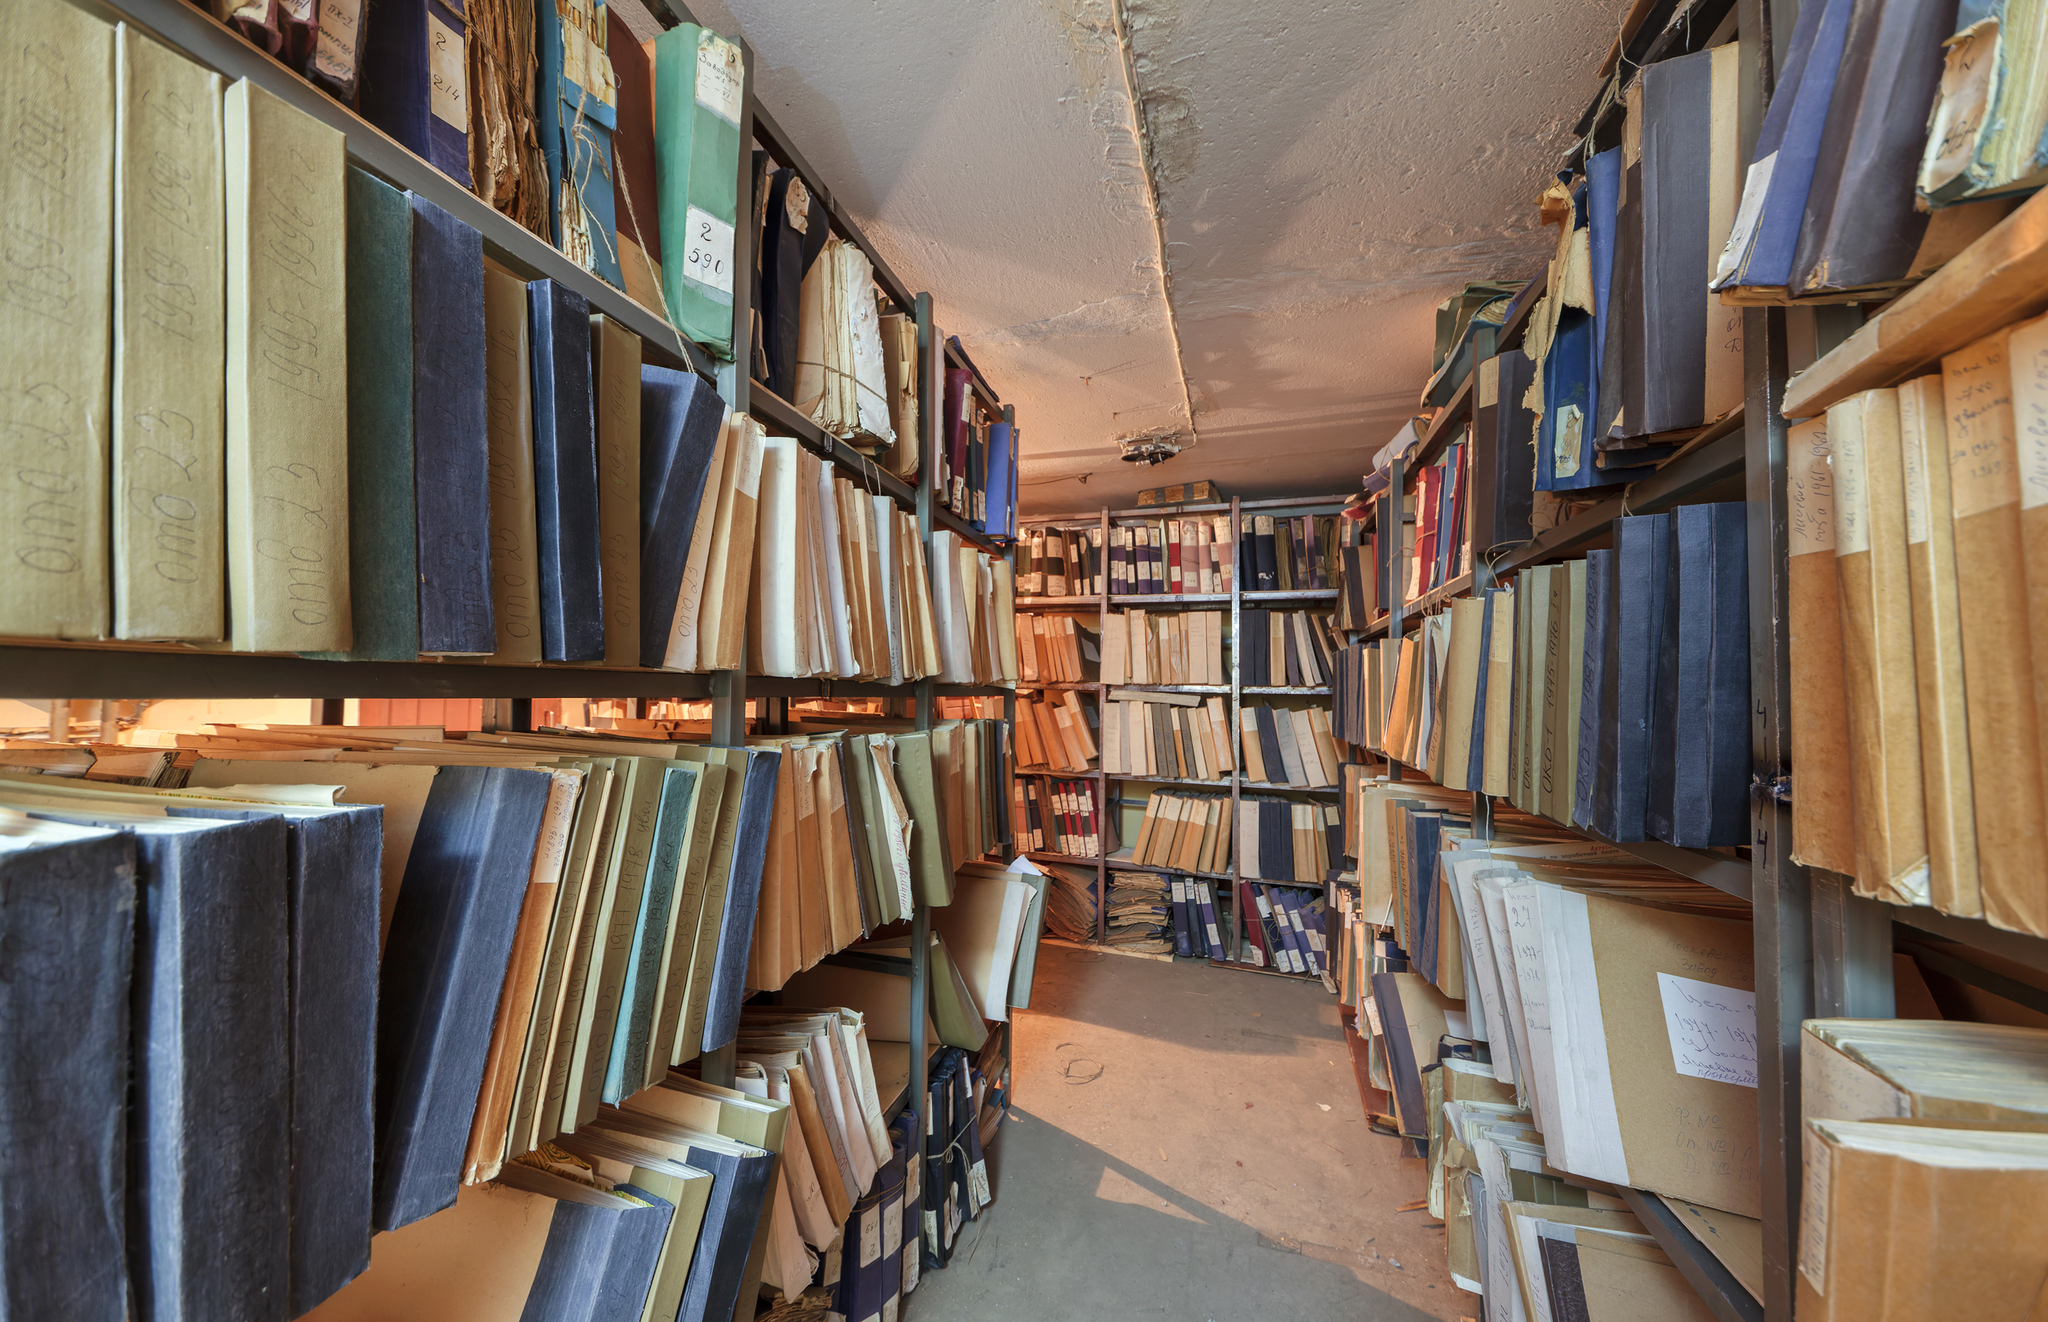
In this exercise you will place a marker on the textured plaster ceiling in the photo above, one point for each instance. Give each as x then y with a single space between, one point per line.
1324 174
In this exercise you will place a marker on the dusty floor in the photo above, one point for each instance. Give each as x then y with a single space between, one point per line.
1188 1144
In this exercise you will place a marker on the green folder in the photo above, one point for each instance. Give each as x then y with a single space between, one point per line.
699 77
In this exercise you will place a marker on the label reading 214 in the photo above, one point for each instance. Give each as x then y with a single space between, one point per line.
707 254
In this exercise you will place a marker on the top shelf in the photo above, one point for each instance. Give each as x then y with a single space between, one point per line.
206 40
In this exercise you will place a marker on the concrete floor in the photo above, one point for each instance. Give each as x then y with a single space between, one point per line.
1188 1143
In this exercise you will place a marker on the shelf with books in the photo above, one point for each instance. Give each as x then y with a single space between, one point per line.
783 148
1282 787
1060 774
2019 947
1156 599
966 531
1171 780
1282 691
1122 859
206 39
1054 856
1175 688
1058 603
1082 686
1291 594
1999 279
778 413
1455 414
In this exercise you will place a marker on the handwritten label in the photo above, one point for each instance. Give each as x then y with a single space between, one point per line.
2027 357
1983 465
892 1227
334 54
1571 423
1712 1029
1966 88
707 251
1754 186
1489 383
721 76
1810 488
870 1235
448 67
1913 452
1818 1160
1852 488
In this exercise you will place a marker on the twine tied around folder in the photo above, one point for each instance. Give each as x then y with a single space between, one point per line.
580 133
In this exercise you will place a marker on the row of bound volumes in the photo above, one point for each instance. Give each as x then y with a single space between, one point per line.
1177 736
1197 933
977 462
1288 931
1071 902
1171 556
1164 647
973 601
1290 746
1286 649
1443 542
1918 558
1056 733
1060 562
1280 554
1287 840
1183 833
1056 649
1056 816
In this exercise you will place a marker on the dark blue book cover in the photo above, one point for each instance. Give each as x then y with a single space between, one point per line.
742 897
565 475
626 1068
599 1262
1593 721
414 79
1805 90
1635 630
451 448
1701 752
444 964
67 921
681 415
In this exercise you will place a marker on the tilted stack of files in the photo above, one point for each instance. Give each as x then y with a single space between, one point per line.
1358 553
1061 562
1140 913
839 578
1289 746
1286 649
1174 736
1284 925
977 458
1443 539
1284 554
1180 556
1070 902
1057 734
1915 726
1056 649
1164 647
1182 833
957 1186
1828 208
974 610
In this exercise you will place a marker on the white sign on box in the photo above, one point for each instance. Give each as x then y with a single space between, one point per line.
1712 1029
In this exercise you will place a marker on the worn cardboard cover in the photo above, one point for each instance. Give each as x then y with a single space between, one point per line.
1823 822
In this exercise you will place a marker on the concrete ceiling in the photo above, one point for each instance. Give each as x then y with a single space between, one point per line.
1319 175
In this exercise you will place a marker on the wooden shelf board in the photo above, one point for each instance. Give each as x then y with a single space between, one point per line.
1999 279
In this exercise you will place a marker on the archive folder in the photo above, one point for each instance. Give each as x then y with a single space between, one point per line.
699 87
169 348
576 107
681 419
599 1263
67 911
287 379
1700 741
565 475
415 79
55 363
451 451
445 959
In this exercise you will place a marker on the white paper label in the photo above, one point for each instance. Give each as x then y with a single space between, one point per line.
450 71
1215 937
870 1236
1489 383
1918 526
1564 452
977 1185
721 76
911 1169
931 1230
892 1226
1712 1029
912 1261
707 251
1813 1209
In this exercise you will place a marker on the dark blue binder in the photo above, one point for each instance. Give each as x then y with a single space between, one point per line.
599 1262
451 447
680 418
402 42
576 141
444 964
1803 94
742 896
67 921
565 475
1593 718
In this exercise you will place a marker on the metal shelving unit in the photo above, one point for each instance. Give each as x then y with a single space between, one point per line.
1820 950
40 668
1236 599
